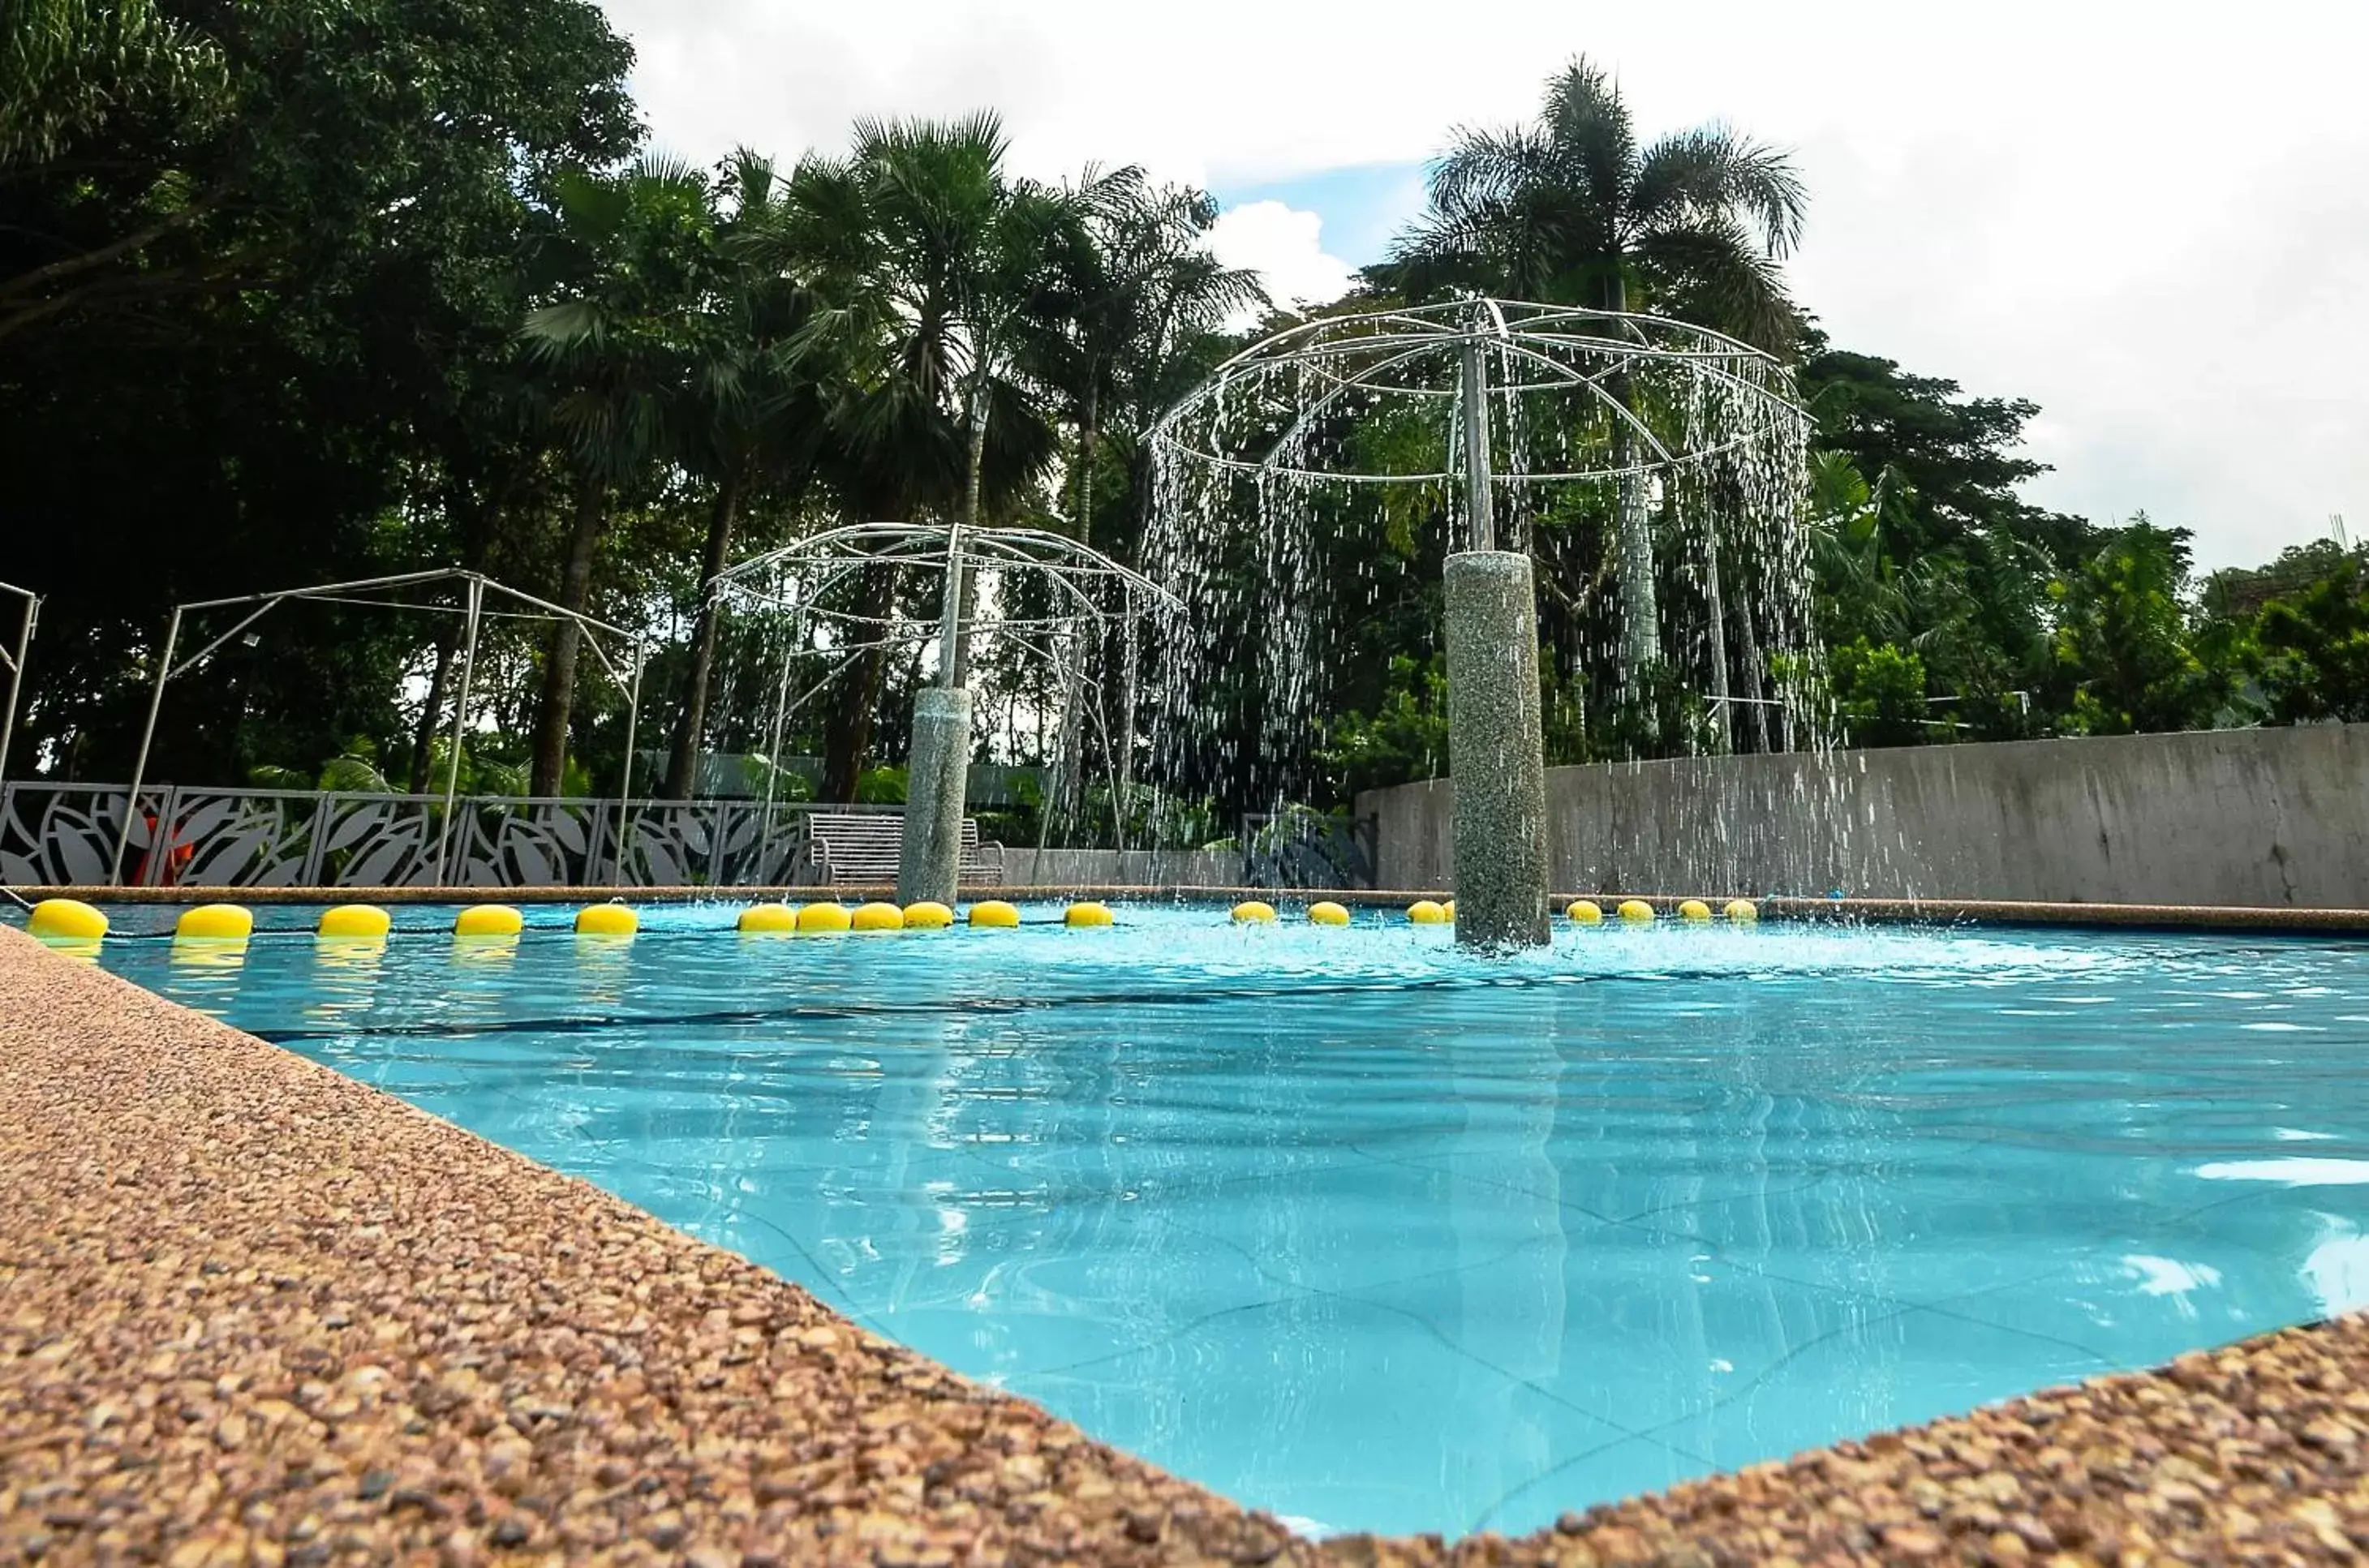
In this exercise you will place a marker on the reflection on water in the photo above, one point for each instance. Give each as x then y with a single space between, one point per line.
82 950
205 971
1377 1236
346 971
485 950
605 966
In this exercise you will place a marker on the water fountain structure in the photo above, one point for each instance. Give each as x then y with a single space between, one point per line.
983 577
1503 409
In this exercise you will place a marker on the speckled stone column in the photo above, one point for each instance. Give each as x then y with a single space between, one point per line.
1496 752
930 862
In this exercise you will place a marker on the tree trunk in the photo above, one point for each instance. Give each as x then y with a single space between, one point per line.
1755 681
958 642
1130 667
566 641
431 712
847 745
683 762
1723 732
477 538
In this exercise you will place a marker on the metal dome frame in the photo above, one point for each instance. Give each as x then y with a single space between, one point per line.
1443 352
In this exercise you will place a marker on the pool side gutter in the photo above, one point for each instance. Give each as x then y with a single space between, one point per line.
251 1310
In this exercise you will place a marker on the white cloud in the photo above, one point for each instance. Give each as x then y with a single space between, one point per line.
2147 216
1286 247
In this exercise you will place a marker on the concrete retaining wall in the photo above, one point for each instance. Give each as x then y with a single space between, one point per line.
2265 817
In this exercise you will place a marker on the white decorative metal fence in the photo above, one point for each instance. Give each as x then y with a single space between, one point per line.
65 835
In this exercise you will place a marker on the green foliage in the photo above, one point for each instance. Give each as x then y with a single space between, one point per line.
69 66
2123 638
1879 693
1660 714
881 787
1403 739
2312 644
1568 208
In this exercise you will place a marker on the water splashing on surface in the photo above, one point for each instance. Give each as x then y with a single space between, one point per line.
1304 497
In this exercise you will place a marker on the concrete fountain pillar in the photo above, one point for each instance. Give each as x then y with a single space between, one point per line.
1496 738
928 862
1496 752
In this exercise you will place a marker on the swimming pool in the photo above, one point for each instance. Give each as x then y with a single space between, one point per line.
1356 1229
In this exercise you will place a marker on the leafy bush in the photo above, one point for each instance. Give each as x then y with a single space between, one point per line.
1878 693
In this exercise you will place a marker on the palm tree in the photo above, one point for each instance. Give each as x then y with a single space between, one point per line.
1570 210
750 414
927 265
629 252
1136 281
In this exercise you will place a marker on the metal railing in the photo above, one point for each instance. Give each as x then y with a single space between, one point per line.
65 834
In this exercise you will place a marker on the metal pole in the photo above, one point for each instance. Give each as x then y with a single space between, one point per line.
460 726
1474 399
774 758
950 621
17 680
625 779
147 736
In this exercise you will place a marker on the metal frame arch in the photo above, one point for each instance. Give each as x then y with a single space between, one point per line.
370 592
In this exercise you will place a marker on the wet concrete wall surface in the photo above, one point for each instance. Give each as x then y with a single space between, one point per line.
2262 817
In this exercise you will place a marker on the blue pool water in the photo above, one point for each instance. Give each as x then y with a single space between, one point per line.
1377 1236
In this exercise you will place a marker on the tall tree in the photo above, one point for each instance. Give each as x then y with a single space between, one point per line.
633 249
1571 210
1136 282
923 258
742 415
243 295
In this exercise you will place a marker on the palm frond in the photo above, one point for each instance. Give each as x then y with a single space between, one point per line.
555 332
1714 172
1713 271
1588 124
1483 168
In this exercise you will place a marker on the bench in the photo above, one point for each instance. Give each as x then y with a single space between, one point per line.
863 849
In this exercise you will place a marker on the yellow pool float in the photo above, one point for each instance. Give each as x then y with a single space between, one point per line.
67 920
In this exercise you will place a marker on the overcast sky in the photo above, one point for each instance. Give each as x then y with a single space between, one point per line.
2151 218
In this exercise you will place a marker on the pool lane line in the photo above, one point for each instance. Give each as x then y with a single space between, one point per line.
729 1017
735 1016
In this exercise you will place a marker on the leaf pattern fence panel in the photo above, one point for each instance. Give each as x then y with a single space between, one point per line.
230 838
375 840
759 845
58 834
673 843
1302 848
529 844
54 835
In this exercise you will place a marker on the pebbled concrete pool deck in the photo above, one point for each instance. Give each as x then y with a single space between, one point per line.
251 1310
